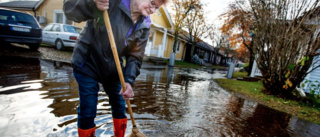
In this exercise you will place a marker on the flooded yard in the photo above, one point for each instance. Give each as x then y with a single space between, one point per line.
39 98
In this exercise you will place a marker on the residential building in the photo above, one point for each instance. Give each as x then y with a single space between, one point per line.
161 38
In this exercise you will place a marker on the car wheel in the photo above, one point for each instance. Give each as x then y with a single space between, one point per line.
34 47
59 45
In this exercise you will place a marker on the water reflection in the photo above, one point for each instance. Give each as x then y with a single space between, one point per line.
39 98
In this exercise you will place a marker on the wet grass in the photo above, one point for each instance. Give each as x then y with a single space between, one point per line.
185 64
192 65
239 74
252 91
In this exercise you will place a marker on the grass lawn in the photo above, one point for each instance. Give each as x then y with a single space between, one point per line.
239 74
185 64
252 91
191 65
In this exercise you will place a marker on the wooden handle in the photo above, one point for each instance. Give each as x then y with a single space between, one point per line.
116 59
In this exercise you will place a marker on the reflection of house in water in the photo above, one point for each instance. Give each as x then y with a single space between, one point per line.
58 80
17 74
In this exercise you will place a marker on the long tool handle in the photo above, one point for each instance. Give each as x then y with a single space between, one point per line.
116 59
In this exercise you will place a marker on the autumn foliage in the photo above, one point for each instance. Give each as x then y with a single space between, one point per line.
184 10
286 42
238 23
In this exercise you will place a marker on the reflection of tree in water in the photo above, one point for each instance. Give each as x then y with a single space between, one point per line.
161 93
265 121
251 119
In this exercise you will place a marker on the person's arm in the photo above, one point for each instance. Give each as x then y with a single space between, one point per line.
82 10
134 58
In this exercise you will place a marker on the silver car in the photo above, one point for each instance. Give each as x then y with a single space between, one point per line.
60 35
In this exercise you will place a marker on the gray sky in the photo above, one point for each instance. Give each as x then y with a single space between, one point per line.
213 9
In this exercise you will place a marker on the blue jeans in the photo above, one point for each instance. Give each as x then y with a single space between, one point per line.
88 94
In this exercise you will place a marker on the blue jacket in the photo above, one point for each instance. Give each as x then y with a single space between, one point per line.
92 54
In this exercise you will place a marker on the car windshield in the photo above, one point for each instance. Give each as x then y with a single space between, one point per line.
71 29
11 17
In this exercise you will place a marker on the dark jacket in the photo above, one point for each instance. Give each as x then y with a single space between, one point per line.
92 54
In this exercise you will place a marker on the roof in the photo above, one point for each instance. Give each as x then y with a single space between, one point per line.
21 5
205 45
201 44
168 17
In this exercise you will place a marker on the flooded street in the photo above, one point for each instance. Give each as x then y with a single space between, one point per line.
39 98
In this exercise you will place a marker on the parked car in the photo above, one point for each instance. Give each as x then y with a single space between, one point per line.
19 27
60 35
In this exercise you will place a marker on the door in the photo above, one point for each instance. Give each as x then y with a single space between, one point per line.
45 33
54 34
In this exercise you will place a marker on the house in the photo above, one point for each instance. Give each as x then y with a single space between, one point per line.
24 6
160 42
161 38
315 74
202 49
46 11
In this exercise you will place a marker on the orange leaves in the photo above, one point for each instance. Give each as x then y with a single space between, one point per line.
243 51
237 24
288 84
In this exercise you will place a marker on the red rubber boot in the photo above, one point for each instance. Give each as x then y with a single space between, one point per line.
86 132
119 127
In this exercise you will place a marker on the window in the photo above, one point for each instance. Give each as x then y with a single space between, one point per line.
17 18
48 28
56 28
71 29
59 17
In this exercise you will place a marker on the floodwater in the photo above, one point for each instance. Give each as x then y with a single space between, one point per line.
39 98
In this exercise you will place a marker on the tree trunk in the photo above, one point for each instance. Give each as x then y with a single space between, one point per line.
251 61
176 35
192 49
214 58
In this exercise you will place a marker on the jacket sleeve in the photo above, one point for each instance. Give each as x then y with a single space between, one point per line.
82 10
134 58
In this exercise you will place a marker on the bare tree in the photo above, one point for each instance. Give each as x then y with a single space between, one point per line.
182 9
195 24
286 41
218 39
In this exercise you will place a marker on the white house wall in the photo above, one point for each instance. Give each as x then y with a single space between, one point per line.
314 75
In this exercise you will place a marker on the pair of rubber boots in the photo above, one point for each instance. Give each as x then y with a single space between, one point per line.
119 129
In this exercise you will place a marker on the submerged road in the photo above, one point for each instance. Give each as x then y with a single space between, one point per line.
39 97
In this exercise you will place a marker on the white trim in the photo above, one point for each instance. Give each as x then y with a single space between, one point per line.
38 4
164 39
55 12
154 38
64 18
168 16
158 26
178 38
166 43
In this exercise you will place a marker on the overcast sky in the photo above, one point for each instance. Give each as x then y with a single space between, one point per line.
213 9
